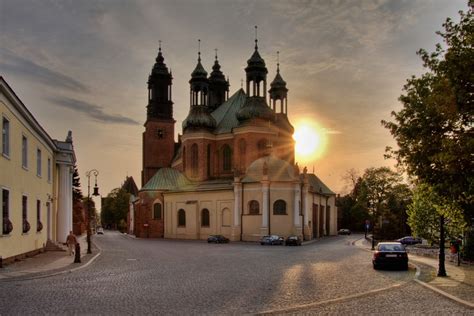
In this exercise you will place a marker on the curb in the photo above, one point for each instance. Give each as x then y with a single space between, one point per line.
433 288
40 275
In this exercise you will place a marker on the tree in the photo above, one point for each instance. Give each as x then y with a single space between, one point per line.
424 212
115 208
434 129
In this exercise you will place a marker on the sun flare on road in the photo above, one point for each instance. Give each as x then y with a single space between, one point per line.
310 141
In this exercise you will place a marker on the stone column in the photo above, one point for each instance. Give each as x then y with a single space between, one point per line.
237 200
297 201
265 205
64 205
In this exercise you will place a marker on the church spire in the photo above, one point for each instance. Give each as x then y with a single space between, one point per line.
218 86
160 104
199 116
278 91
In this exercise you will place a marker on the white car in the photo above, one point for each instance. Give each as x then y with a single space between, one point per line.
100 231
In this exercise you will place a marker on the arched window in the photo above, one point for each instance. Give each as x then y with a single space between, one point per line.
209 160
194 159
183 158
181 218
254 207
227 158
262 146
157 211
242 149
205 218
279 207
226 217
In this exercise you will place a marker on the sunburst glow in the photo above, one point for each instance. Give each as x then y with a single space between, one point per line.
310 141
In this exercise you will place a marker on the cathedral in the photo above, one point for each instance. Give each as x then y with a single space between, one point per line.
232 171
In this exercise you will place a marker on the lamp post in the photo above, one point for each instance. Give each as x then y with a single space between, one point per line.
95 173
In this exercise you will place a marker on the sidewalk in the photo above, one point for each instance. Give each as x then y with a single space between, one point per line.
459 283
47 263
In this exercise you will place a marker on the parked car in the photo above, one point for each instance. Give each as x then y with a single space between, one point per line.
344 231
293 241
409 240
390 254
218 239
100 231
271 240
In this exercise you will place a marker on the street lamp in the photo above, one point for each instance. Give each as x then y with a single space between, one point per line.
95 193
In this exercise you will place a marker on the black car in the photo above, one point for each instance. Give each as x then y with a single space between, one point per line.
293 241
344 231
390 254
218 239
409 240
271 240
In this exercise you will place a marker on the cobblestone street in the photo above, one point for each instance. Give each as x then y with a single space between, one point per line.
138 276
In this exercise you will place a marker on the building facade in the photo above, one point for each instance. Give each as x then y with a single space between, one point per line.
35 181
233 170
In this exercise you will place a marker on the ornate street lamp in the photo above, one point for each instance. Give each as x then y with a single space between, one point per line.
95 193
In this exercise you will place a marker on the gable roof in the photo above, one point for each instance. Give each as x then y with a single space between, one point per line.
225 114
166 179
317 186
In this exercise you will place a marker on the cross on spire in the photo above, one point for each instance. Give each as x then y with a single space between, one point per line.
278 61
159 45
256 38
199 50
241 83
215 49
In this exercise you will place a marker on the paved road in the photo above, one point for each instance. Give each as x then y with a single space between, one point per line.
136 276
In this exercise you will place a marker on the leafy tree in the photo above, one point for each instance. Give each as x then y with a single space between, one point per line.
115 208
424 212
434 129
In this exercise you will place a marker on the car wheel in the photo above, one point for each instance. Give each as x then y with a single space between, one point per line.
376 267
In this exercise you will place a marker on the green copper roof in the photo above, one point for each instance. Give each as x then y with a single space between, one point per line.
166 179
225 114
317 185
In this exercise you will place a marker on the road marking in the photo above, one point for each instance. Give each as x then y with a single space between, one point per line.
335 300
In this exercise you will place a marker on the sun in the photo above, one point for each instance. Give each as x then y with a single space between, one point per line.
310 141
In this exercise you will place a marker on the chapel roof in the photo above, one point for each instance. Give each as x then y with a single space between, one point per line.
166 179
317 186
225 114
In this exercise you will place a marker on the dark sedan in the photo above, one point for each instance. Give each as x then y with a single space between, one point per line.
218 239
271 240
293 241
344 231
409 240
390 254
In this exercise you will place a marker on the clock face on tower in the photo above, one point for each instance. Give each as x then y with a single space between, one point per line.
160 133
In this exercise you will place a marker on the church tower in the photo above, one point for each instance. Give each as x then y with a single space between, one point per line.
158 138
218 86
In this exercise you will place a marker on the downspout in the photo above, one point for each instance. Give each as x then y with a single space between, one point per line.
242 212
269 207
301 208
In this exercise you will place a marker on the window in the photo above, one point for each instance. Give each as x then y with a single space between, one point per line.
254 208
226 217
7 226
194 159
181 218
160 133
227 158
262 146
279 207
24 208
157 211
38 162
49 169
39 225
205 218
6 137
24 152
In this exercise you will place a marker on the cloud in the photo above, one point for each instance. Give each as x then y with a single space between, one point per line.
24 67
94 111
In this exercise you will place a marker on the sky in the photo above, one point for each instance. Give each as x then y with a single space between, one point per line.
83 66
